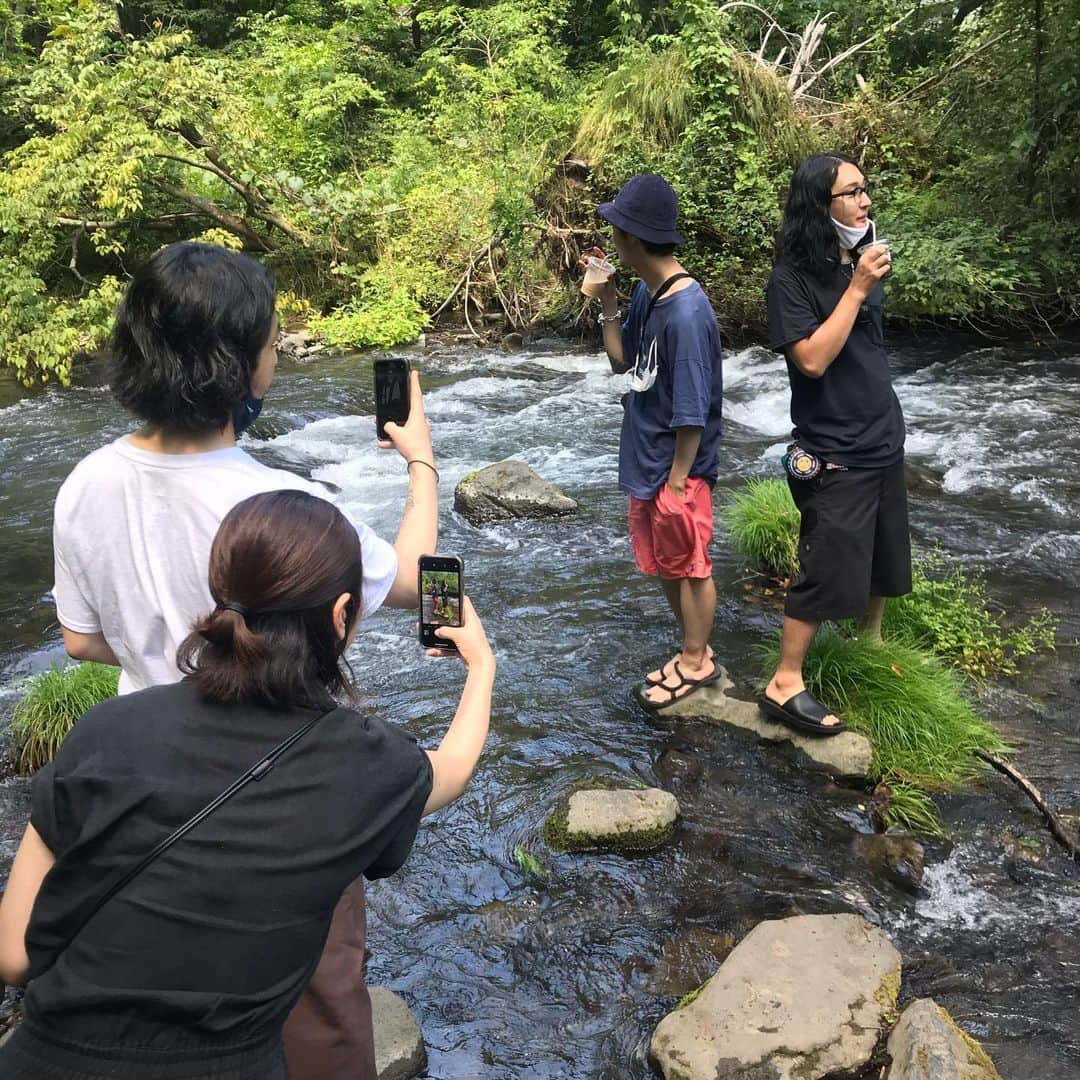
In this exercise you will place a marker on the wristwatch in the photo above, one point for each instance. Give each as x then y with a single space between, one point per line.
602 318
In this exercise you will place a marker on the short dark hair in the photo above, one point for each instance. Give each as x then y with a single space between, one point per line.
806 237
658 249
283 557
188 335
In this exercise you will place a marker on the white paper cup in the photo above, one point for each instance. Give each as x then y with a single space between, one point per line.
598 273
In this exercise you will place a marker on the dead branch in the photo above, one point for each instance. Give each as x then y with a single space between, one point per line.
211 210
498 289
1057 827
461 281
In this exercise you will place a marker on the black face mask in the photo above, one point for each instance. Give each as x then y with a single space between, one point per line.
245 414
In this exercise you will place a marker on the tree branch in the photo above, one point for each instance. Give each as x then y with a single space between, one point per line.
211 210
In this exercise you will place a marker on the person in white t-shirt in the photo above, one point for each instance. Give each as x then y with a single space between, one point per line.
193 355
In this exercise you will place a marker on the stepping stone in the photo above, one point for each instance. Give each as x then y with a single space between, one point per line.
399 1044
607 819
927 1044
845 756
797 999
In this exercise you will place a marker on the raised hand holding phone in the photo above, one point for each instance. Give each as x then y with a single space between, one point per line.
441 588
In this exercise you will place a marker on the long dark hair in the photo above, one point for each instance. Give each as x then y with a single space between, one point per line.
188 334
277 564
806 237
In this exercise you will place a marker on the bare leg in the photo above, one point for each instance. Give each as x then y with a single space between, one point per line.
870 623
788 680
697 602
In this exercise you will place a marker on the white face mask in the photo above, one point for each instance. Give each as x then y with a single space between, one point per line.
849 237
643 376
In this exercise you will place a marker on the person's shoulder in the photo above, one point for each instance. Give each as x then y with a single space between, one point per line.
101 466
256 478
787 274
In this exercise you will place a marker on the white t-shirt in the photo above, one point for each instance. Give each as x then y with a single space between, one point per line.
131 539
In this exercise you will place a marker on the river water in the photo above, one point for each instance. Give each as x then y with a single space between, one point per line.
565 974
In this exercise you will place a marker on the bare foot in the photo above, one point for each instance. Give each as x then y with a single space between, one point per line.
781 690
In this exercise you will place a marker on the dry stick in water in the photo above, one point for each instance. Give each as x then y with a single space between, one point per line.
1061 833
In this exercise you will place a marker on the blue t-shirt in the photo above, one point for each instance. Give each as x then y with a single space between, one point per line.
688 391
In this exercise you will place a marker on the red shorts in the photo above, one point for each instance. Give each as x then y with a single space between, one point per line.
670 537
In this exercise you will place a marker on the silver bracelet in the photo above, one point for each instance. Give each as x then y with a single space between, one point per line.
602 318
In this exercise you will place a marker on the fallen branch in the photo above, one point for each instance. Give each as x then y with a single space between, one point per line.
461 281
1057 827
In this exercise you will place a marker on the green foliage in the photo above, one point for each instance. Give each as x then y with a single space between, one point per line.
911 808
948 612
763 525
54 700
913 709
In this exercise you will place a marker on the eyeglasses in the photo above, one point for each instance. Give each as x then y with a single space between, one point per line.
853 193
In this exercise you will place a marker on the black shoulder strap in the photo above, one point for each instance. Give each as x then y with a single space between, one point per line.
659 295
259 771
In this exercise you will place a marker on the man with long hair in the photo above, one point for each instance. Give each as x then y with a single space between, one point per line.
846 463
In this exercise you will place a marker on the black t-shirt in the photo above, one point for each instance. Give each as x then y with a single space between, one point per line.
850 416
211 945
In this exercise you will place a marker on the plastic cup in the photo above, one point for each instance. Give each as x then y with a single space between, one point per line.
879 241
598 273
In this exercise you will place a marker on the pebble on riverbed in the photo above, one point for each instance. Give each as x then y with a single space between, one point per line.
846 756
614 819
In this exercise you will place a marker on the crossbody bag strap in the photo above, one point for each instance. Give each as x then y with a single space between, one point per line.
259 771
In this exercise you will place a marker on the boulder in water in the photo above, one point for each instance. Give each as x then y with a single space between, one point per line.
509 489
847 755
614 819
897 857
926 1044
399 1045
797 999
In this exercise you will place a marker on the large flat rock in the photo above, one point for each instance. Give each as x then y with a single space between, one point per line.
509 489
797 999
846 755
399 1044
617 819
926 1044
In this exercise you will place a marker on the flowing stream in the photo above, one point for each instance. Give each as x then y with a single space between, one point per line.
566 974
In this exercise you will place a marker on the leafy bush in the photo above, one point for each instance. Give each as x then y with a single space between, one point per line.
54 700
948 612
763 524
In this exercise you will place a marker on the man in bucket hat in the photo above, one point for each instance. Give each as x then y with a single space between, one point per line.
669 446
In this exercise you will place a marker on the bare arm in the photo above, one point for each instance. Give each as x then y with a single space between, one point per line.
452 764
813 355
418 533
32 862
89 647
687 441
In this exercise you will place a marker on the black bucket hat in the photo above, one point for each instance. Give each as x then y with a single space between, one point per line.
645 207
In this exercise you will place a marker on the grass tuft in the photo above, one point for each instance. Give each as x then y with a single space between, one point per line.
763 524
913 709
53 702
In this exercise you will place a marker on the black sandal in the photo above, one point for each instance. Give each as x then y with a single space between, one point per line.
709 655
673 691
802 712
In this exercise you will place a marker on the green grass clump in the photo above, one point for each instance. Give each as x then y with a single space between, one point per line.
53 702
763 524
911 808
911 707
948 612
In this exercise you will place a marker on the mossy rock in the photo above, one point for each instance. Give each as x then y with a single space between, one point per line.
624 820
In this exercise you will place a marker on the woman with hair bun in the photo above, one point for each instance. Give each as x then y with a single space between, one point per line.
189 968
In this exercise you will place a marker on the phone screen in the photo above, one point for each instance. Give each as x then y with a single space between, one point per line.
440 597
391 393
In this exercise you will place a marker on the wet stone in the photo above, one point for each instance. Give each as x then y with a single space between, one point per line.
847 755
927 1044
797 999
621 819
898 858
399 1045
509 489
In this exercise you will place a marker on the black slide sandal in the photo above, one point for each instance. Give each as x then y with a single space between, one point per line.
803 713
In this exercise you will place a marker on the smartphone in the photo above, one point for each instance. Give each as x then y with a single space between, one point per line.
391 393
441 588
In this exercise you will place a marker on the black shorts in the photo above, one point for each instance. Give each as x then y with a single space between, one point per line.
853 542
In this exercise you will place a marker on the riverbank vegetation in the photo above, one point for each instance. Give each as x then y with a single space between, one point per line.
401 164
911 694
53 701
